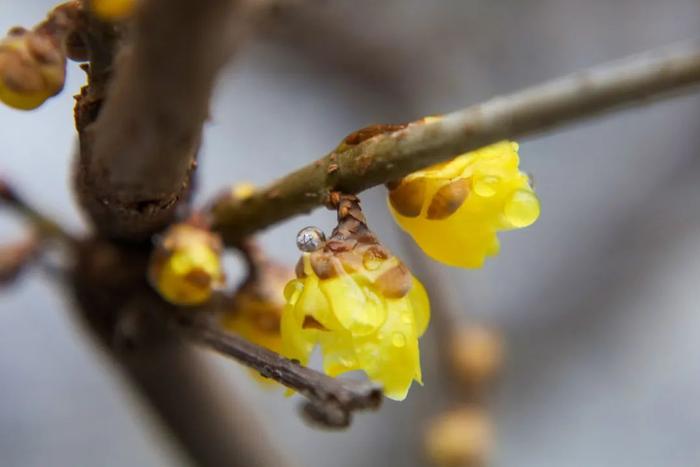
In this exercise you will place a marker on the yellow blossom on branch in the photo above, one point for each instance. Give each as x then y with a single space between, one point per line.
360 304
32 69
455 209
185 266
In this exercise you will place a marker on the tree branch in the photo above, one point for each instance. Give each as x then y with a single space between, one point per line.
394 154
15 257
138 156
331 400
44 226
200 408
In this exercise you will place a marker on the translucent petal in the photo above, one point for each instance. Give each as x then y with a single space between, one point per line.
338 352
418 298
296 343
390 356
357 307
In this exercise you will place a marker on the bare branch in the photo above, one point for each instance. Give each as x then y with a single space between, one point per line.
394 154
137 158
44 226
331 400
15 257
199 407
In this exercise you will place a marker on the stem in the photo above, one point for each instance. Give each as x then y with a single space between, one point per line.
394 154
331 400
200 408
45 227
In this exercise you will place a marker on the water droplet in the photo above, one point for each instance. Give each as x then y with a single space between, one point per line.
371 261
348 362
486 186
522 209
310 239
398 340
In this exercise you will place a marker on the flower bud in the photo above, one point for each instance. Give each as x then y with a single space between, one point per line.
460 438
32 69
476 355
186 266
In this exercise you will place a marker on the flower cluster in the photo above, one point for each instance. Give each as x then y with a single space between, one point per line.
32 68
454 210
359 303
185 266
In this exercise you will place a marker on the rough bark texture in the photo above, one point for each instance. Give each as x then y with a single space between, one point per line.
136 159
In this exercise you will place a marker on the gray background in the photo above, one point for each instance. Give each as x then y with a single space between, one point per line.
598 300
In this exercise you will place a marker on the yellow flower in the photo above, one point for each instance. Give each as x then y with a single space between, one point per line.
454 210
257 305
32 69
362 307
113 10
186 267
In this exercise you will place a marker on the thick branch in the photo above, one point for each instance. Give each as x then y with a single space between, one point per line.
331 400
392 155
200 408
137 158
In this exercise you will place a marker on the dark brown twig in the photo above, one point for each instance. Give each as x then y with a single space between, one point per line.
331 400
394 154
44 226
15 257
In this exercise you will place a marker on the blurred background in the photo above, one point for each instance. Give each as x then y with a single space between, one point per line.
597 302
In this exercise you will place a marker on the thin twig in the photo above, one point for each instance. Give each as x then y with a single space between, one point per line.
44 226
332 400
394 154
16 256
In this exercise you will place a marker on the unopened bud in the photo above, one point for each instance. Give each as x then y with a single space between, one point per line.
460 438
476 354
186 266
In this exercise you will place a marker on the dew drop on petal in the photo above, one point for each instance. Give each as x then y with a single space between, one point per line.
522 209
371 262
398 340
486 186
348 362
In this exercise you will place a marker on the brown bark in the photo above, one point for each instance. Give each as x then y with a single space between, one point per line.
394 154
137 158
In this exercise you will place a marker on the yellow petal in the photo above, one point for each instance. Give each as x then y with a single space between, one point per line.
358 308
420 303
462 226
391 356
